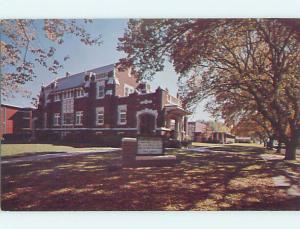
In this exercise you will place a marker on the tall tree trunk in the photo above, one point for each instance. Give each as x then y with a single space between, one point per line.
290 153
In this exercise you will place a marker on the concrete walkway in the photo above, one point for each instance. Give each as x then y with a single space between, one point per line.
288 181
40 157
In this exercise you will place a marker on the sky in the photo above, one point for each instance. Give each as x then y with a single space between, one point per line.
84 57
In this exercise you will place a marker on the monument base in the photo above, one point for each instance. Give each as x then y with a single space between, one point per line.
149 161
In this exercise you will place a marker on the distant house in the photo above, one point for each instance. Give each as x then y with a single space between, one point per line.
222 137
201 132
197 131
243 139
107 102
16 122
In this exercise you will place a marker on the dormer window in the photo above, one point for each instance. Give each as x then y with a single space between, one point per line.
79 93
128 90
100 90
56 97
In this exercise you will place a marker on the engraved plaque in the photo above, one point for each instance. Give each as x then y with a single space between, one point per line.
150 146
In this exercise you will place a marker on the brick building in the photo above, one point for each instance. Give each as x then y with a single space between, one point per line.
16 122
107 102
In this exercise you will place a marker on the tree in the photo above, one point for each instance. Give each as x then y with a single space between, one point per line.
253 126
216 126
243 66
21 49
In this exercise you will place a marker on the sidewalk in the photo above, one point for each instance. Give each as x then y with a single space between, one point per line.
289 181
39 157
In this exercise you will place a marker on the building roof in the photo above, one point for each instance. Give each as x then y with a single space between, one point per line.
14 106
77 80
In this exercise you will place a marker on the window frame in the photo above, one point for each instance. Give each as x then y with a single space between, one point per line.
122 110
100 112
80 115
72 119
102 85
56 97
79 93
56 119
129 88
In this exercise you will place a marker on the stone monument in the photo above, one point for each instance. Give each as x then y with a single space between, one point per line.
145 151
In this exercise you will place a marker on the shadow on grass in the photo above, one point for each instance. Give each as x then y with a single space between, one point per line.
201 181
239 149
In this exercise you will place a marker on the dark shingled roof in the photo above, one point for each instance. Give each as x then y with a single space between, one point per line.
77 80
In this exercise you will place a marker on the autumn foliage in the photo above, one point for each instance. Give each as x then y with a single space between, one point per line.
245 67
22 49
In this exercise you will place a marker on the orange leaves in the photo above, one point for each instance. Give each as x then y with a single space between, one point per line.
21 48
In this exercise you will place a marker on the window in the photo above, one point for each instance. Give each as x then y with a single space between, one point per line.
79 93
56 97
122 113
100 90
99 115
128 90
68 106
78 117
56 119
68 119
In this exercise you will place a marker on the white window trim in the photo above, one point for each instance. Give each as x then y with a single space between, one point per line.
100 83
98 110
63 120
56 97
146 111
131 88
56 117
79 93
122 107
78 114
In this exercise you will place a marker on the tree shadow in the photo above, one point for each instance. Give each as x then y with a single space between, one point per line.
200 181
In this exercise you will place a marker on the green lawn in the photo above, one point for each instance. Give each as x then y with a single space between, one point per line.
22 149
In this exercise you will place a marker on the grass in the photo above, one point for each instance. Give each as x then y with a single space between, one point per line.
231 177
210 145
8 150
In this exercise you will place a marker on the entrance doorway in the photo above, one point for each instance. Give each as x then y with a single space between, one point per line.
147 124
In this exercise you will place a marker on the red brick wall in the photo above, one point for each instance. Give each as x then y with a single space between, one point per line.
9 119
124 78
14 120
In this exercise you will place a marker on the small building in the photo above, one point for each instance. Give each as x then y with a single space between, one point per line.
16 122
222 137
197 131
243 139
201 132
104 102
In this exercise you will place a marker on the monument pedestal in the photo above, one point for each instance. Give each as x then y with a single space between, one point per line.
129 149
145 153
